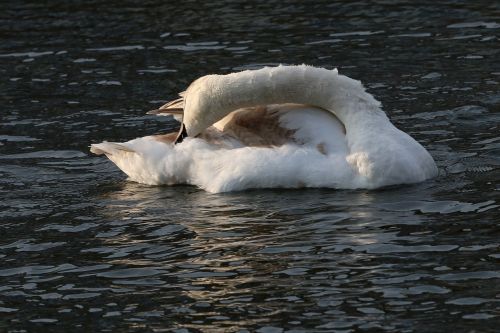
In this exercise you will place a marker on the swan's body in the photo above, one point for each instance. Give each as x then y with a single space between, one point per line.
287 126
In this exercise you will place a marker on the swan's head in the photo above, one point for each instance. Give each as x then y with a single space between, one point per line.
205 102
199 107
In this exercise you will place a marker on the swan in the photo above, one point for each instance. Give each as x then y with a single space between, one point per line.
284 126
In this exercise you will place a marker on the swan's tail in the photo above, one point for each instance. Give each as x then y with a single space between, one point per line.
110 148
144 160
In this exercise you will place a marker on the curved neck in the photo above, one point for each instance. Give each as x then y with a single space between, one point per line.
218 95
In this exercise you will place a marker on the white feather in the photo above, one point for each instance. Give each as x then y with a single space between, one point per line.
339 137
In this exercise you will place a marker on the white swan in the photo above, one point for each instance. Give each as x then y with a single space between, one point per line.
285 126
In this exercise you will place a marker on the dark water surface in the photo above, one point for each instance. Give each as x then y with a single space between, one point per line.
83 249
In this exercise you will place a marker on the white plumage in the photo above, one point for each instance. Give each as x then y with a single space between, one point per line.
285 126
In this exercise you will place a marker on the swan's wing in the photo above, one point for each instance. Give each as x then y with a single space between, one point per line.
175 107
279 124
110 148
315 127
255 126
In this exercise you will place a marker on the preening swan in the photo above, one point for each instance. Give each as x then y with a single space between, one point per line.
285 126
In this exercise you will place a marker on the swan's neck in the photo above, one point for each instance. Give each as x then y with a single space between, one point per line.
222 94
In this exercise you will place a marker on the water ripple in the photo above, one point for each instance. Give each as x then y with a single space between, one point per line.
83 248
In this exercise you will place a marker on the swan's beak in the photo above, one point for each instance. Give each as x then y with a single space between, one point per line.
176 109
181 135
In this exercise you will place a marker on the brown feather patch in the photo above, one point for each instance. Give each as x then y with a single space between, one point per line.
321 148
161 112
173 107
166 138
176 103
254 127
258 126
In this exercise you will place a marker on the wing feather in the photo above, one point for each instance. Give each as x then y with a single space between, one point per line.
175 107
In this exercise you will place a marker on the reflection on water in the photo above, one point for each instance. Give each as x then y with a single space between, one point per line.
82 247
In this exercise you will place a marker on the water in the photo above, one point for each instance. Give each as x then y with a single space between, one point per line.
82 248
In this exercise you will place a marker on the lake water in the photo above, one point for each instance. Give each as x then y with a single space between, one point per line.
82 248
